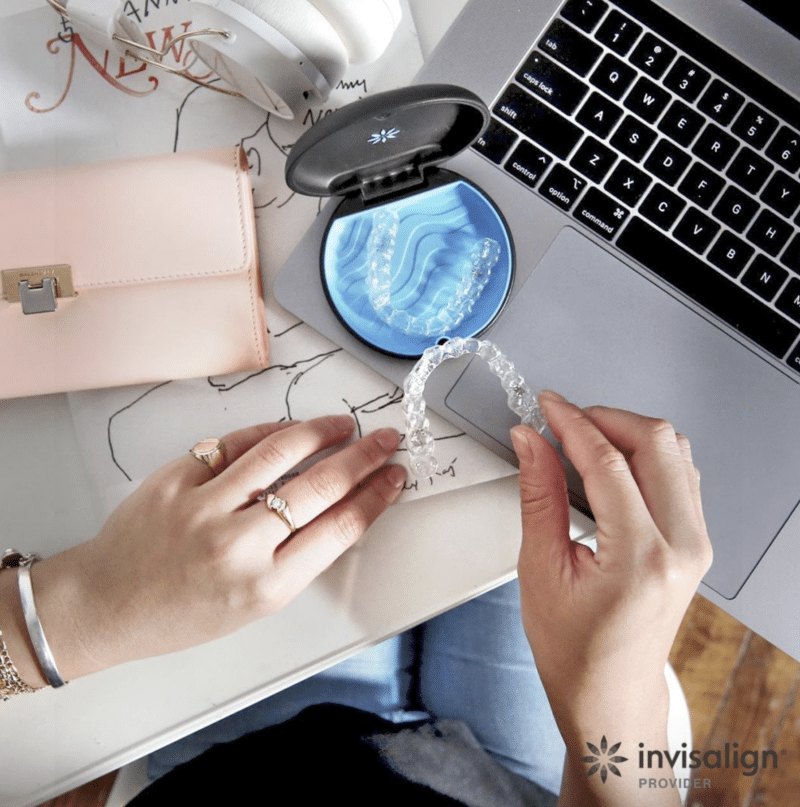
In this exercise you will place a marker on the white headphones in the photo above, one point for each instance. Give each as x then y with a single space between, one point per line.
276 53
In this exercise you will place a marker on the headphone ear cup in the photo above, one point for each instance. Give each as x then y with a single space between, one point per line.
365 26
279 54
308 30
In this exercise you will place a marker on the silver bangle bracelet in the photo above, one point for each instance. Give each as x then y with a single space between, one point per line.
38 640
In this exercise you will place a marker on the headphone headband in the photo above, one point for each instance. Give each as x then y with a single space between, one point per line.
257 59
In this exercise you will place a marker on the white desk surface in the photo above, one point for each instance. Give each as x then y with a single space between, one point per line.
420 559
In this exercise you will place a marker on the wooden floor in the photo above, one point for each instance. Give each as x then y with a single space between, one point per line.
740 690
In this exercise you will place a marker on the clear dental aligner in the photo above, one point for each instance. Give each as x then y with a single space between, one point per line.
475 269
419 440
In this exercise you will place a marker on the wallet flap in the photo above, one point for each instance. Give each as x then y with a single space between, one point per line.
132 221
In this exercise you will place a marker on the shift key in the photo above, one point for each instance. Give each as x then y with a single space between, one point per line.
538 121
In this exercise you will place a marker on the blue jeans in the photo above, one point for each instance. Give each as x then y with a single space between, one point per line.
472 663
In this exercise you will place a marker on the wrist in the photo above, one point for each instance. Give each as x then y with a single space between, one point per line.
619 701
604 736
615 720
64 605
61 604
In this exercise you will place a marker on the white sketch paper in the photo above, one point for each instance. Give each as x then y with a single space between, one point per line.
66 102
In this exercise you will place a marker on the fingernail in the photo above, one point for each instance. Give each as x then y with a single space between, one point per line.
550 395
342 423
396 475
388 439
519 439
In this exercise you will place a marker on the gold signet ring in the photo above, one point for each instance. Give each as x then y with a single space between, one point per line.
211 452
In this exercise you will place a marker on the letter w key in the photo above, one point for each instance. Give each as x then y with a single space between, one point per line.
647 100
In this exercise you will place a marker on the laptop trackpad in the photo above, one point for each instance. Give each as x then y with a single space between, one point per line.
590 327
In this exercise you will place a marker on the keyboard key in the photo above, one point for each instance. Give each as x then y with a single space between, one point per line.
601 213
764 277
652 56
686 79
613 76
749 170
562 187
735 209
769 232
584 13
785 149
495 141
667 161
715 146
794 359
570 47
538 121
681 123
782 194
730 253
647 100
528 163
593 159
628 183
791 257
662 206
708 287
696 230
633 138
720 102
618 32
789 301
548 80
754 126
701 185
599 115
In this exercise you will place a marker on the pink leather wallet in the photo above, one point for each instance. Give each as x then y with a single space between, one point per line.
134 271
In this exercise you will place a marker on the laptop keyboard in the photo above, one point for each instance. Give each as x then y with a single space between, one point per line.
660 142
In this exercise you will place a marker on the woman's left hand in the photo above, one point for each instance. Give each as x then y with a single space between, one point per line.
190 557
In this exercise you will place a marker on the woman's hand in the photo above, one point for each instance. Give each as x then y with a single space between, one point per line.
190 557
601 625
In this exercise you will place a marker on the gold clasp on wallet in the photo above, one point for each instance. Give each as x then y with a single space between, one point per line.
37 288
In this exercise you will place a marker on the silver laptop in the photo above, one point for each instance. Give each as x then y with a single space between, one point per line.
646 157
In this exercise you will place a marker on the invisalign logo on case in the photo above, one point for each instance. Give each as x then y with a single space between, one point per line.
383 136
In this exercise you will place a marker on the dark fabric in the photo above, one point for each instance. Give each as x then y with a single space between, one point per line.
336 752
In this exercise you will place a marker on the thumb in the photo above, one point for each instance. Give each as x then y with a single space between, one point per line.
543 501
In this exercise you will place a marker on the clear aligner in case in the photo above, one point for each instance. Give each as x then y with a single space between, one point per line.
419 440
474 262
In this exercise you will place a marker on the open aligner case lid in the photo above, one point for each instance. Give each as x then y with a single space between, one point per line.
374 144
